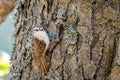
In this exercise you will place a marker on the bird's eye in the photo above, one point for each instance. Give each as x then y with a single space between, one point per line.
36 29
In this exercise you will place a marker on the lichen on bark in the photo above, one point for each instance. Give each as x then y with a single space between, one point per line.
84 39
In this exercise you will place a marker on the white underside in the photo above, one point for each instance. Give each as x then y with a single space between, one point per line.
42 35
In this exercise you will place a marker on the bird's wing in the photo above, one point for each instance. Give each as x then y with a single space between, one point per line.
38 45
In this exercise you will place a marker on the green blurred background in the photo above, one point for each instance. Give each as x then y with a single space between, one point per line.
6 41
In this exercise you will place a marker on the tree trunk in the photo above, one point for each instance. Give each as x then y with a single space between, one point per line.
84 40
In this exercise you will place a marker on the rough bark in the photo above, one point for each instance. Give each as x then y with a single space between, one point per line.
84 35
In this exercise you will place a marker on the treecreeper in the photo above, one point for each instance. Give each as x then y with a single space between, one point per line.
40 44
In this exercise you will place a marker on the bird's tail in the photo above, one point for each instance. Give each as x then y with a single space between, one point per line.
43 64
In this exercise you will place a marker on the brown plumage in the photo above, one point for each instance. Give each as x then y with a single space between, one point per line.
40 42
39 47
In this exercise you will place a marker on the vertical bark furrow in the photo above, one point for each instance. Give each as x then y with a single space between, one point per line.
84 40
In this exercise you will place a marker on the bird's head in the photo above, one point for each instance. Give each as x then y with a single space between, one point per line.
38 31
40 34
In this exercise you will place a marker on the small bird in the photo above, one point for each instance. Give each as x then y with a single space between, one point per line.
40 42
